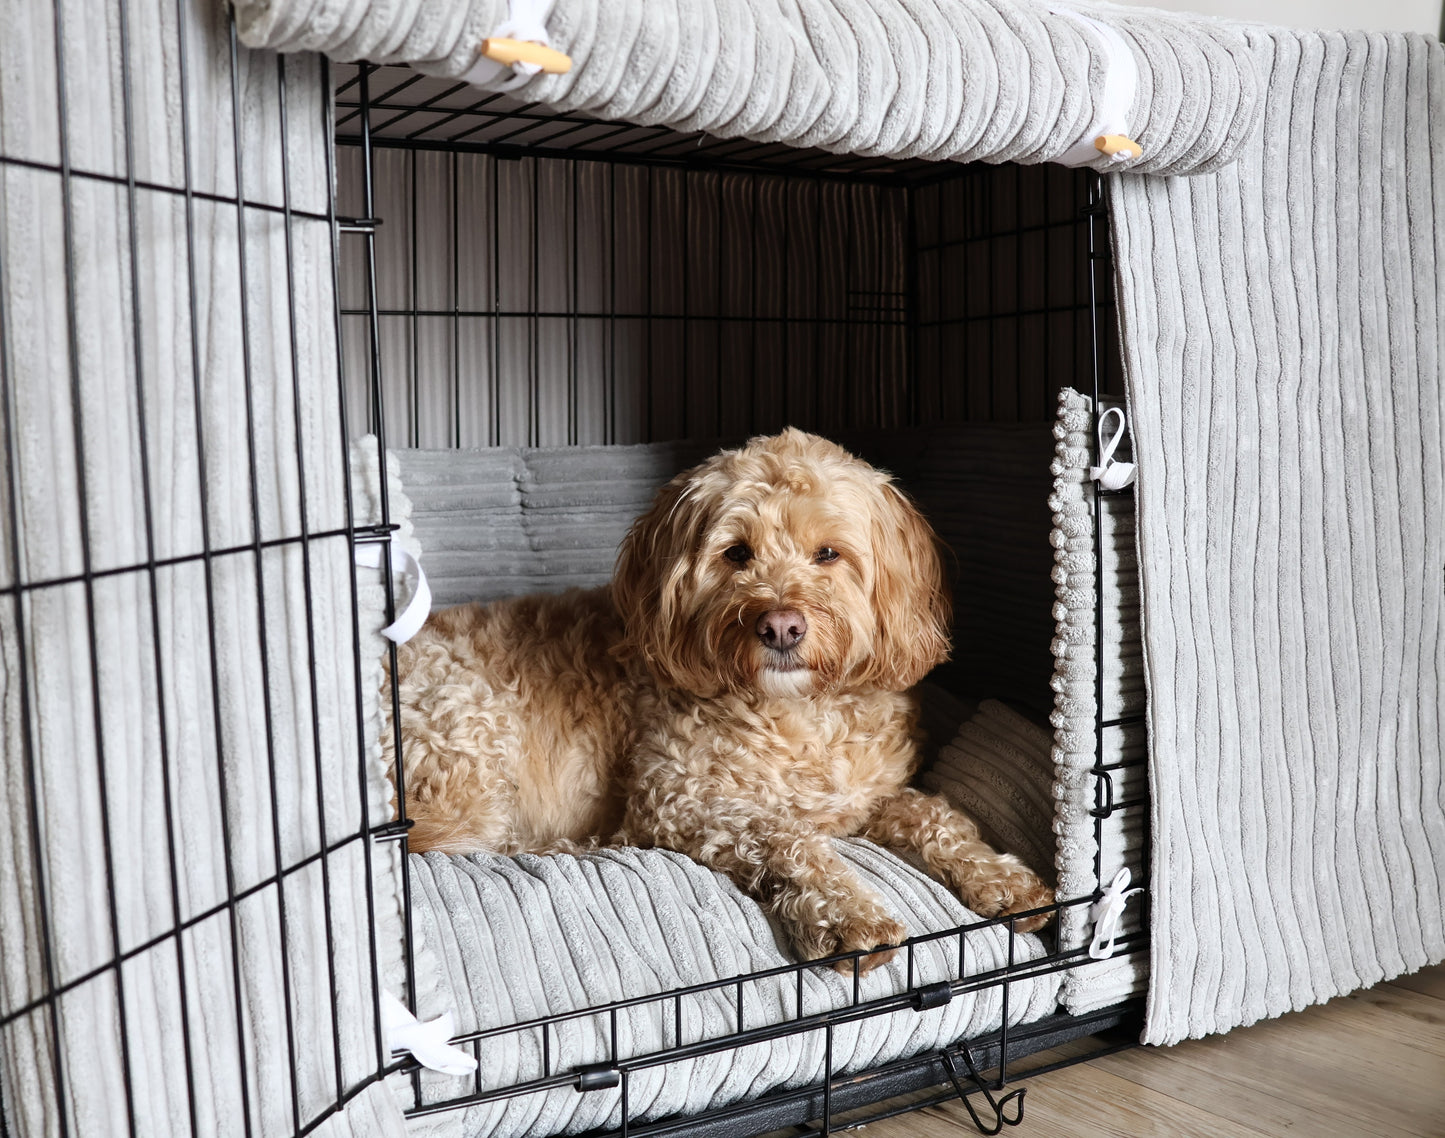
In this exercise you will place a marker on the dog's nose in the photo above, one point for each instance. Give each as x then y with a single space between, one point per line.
781 628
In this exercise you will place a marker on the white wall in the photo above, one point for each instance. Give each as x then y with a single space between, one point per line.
1371 15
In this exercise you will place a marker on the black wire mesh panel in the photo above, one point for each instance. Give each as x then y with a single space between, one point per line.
549 279
188 901
1003 296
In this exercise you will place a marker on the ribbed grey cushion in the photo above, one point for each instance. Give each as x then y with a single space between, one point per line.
1097 590
999 768
513 939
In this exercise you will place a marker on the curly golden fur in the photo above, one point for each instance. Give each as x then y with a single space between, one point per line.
738 694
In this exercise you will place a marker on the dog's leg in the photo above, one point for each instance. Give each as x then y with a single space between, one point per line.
990 883
798 877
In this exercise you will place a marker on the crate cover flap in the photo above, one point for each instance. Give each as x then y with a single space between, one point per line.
1282 335
991 80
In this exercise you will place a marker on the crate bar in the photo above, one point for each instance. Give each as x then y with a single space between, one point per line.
362 774
1095 205
378 401
266 709
121 182
694 160
191 922
49 1000
388 574
72 319
456 305
157 658
1018 1043
1031 969
160 563
231 904
793 1108
414 379
648 222
574 299
495 378
357 108
306 579
529 313
611 434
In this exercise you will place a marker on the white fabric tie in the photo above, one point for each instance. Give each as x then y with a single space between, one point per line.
1107 912
526 20
1111 112
408 622
427 1042
1109 474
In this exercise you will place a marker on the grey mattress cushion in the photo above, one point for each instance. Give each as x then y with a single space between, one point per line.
513 939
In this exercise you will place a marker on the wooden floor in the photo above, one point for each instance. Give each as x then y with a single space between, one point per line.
1368 1064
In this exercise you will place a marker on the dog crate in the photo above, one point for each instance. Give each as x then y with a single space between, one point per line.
529 299
210 894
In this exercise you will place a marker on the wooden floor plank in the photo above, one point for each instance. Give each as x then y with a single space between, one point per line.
1089 1102
1389 1011
1369 1065
1428 982
1328 1065
1249 1102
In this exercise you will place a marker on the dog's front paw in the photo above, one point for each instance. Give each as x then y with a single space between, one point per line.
853 933
1009 888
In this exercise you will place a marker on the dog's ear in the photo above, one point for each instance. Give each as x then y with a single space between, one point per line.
652 582
911 601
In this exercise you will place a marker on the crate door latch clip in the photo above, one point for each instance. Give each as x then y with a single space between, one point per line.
998 1106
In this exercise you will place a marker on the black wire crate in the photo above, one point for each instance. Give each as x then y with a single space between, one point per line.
218 270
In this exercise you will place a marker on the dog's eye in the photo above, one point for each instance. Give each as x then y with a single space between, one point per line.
738 554
826 554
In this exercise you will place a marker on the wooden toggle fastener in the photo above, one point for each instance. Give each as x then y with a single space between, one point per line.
509 51
1118 144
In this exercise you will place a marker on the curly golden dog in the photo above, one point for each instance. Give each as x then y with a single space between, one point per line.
739 693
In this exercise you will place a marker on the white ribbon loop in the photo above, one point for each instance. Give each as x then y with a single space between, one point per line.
408 622
526 20
1115 99
1107 912
1109 474
427 1042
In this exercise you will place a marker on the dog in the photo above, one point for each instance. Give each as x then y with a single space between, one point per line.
738 693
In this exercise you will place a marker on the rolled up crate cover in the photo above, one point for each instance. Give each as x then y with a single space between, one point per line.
968 80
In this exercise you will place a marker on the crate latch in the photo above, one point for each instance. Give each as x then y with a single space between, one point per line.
1000 1118
932 995
597 1077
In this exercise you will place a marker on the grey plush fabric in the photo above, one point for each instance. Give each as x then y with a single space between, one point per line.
507 521
1085 585
1281 325
1002 80
518 938
999 769
180 702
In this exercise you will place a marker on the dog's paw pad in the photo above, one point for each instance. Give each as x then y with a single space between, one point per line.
854 934
1014 892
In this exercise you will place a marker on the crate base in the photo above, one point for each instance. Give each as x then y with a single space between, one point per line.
1116 1028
